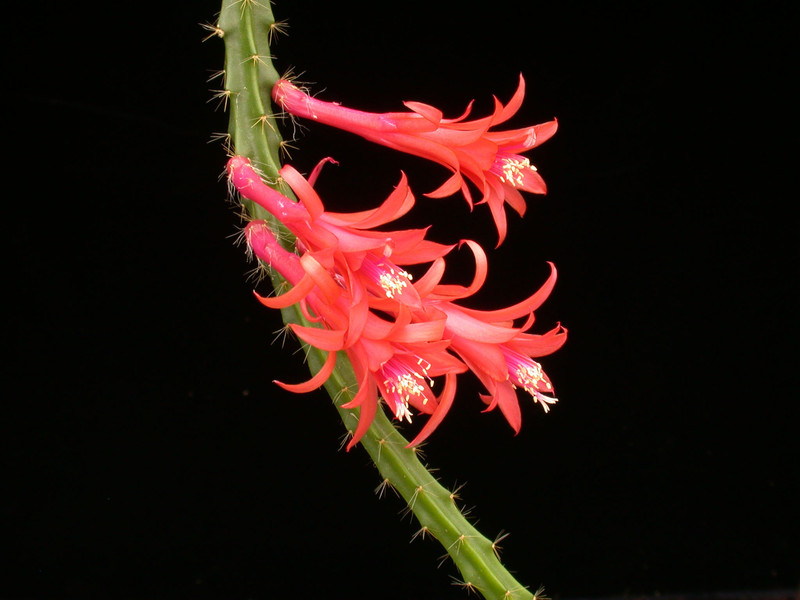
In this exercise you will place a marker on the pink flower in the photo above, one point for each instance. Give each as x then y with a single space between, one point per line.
397 360
492 160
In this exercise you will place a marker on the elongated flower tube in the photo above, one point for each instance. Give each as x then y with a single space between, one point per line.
346 242
397 360
492 160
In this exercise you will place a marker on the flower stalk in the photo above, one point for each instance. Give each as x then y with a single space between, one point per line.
245 27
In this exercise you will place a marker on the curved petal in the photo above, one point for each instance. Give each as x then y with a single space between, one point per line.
454 183
324 339
519 309
321 277
306 194
399 202
293 296
463 116
357 314
532 182
307 313
368 408
425 284
486 361
408 252
373 353
312 179
506 398
447 291
515 141
510 109
432 114
316 381
497 207
540 345
445 402
463 324
515 199
427 331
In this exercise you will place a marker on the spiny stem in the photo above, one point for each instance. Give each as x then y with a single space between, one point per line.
245 27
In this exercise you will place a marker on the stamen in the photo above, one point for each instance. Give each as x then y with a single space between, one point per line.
528 374
390 278
403 384
393 281
513 169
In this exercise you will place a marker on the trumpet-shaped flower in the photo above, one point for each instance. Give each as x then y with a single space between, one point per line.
500 354
397 359
346 242
491 160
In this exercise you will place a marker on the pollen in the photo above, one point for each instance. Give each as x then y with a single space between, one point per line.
403 387
393 281
526 373
389 277
513 170
531 377
402 384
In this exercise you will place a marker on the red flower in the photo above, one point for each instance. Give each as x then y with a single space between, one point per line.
492 160
500 354
396 359
346 242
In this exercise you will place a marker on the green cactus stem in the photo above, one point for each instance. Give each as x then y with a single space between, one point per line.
245 27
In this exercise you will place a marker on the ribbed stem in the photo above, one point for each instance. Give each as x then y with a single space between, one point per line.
245 26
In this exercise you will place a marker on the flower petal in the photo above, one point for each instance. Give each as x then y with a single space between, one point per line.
305 193
293 296
434 115
316 381
399 202
312 179
367 410
506 398
450 292
324 339
445 400
519 309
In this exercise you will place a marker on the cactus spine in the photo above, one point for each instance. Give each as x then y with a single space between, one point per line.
245 26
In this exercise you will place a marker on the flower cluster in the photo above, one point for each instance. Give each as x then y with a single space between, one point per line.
349 276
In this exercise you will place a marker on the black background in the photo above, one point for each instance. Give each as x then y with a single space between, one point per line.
150 456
